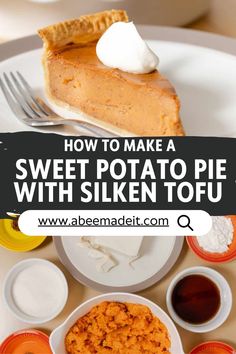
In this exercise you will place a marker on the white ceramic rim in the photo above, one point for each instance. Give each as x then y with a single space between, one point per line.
225 293
8 284
103 297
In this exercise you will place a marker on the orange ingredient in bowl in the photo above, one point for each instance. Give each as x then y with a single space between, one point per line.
115 328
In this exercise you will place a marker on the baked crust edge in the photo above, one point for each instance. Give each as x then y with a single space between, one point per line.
85 29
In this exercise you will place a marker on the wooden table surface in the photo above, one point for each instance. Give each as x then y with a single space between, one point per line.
220 20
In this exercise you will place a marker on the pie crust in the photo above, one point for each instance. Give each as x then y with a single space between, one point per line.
87 28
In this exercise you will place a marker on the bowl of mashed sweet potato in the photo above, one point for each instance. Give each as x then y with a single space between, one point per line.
117 323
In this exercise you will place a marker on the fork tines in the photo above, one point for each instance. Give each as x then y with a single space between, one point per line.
20 97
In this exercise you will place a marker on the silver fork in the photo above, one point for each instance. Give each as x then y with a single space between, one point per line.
34 112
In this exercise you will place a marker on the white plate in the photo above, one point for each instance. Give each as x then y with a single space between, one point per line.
158 255
57 338
205 80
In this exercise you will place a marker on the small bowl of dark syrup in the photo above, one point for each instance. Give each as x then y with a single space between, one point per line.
199 299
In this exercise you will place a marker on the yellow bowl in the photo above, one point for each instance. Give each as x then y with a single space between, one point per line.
15 240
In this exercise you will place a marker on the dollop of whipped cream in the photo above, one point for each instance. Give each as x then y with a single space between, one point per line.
122 47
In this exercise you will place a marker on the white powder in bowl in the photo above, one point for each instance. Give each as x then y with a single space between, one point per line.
38 291
220 236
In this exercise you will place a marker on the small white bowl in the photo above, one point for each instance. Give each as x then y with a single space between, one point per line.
225 297
57 337
8 293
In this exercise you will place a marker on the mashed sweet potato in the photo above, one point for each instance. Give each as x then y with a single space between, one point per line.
118 328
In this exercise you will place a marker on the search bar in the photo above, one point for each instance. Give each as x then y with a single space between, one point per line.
115 222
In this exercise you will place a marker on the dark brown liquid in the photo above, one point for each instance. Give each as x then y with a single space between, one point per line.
196 299
15 225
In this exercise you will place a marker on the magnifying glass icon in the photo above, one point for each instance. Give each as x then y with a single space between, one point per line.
184 221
